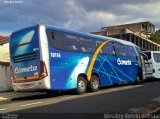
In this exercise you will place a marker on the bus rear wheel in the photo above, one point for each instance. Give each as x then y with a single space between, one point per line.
94 83
81 85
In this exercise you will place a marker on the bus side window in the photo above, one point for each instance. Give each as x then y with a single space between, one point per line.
122 50
98 43
87 45
131 51
108 49
138 50
119 49
71 47
56 39
126 50
72 43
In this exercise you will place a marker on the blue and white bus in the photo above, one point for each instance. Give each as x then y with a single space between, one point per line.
52 58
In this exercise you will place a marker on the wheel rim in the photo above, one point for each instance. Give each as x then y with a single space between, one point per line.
81 85
95 83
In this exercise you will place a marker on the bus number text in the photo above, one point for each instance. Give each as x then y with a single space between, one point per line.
58 55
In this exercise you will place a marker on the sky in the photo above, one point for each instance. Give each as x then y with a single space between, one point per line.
80 15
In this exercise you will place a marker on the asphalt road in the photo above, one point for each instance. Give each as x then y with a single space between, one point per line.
118 100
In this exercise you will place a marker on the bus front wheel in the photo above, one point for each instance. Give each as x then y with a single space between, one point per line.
81 85
94 83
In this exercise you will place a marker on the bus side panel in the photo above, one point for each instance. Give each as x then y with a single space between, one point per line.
111 72
57 77
57 69
126 72
65 68
103 68
76 65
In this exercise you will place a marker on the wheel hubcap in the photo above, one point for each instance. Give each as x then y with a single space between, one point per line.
95 83
81 85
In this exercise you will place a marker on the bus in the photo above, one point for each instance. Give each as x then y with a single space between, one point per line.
52 58
152 64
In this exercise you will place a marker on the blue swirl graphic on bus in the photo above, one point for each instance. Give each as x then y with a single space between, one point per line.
81 67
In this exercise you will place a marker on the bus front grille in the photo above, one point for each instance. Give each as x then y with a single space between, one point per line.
24 57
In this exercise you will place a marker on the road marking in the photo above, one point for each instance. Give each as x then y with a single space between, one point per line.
3 109
101 92
31 104
68 97
149 83
139 110
152 83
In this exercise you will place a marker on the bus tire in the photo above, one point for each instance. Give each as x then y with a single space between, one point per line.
94 84
81 85
137 81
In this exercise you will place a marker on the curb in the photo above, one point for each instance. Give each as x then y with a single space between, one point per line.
15 96
3 100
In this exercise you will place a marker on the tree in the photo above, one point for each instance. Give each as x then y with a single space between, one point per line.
155 37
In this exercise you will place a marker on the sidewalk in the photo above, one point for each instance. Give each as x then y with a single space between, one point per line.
10 96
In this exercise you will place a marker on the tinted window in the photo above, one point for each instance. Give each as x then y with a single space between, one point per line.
148 55
138 50
56 39
108 49
156 57
98 43
72 43
131 51
126 50
119 49
87 45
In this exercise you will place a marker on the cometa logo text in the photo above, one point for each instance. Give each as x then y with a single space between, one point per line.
26 69
123 62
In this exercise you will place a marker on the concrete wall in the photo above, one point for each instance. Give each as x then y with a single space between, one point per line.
5 82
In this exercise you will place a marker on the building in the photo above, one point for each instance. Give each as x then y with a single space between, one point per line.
137 33
5 82
4 49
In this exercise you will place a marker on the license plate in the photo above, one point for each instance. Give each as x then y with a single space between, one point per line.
26 86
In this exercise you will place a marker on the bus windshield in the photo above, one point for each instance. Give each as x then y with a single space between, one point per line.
156 57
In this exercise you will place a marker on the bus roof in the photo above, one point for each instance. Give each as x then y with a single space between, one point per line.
83 34
90 35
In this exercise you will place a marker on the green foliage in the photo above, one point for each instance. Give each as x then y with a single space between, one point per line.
155 37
